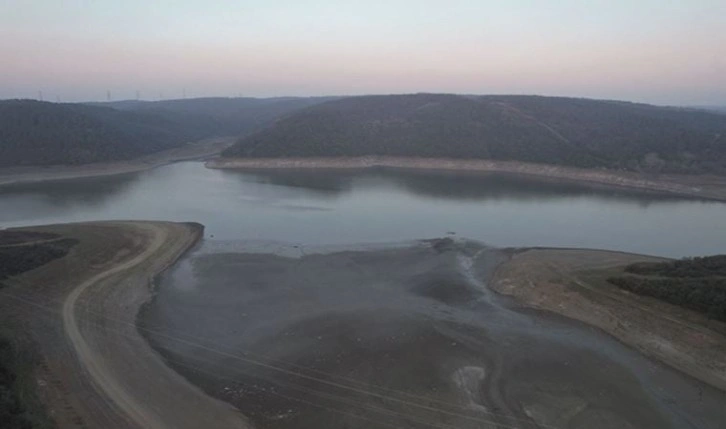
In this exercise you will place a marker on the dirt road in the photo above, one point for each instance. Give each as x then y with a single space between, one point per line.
96 370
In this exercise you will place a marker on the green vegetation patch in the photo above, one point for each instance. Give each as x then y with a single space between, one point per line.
17 259
689 267
19 405
695 283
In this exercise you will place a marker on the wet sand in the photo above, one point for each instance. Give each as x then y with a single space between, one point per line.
402 336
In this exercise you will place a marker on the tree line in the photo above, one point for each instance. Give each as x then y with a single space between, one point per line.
695 283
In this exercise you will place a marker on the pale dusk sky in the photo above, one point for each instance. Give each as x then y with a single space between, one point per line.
662 52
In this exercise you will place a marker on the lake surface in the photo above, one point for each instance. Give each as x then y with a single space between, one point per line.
339 208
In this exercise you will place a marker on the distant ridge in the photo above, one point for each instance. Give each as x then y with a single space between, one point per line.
552 130
231 116
715 109
41 133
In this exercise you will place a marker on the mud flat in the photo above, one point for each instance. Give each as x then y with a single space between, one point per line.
191 151
702 186
573 283
78 312
409 335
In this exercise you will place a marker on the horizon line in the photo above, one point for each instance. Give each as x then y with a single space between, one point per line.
240 97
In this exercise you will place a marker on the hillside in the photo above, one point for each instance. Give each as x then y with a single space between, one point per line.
40 133
552 130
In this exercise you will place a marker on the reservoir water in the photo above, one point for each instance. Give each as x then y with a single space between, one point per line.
343 207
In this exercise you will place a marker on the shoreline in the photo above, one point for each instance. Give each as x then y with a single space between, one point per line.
700 186
570 283
193 151
95 366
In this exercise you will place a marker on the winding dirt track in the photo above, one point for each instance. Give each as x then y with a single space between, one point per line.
115 379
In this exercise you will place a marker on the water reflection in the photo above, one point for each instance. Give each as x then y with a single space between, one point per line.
67 192
442 185
372 206
330 183
28 200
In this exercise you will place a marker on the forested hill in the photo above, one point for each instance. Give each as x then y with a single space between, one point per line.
564 131
40 133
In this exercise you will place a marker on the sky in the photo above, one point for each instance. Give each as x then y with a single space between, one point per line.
655 51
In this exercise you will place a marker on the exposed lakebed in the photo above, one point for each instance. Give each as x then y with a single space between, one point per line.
402 336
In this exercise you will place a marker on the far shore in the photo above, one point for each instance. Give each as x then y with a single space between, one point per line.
193 151
701 186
